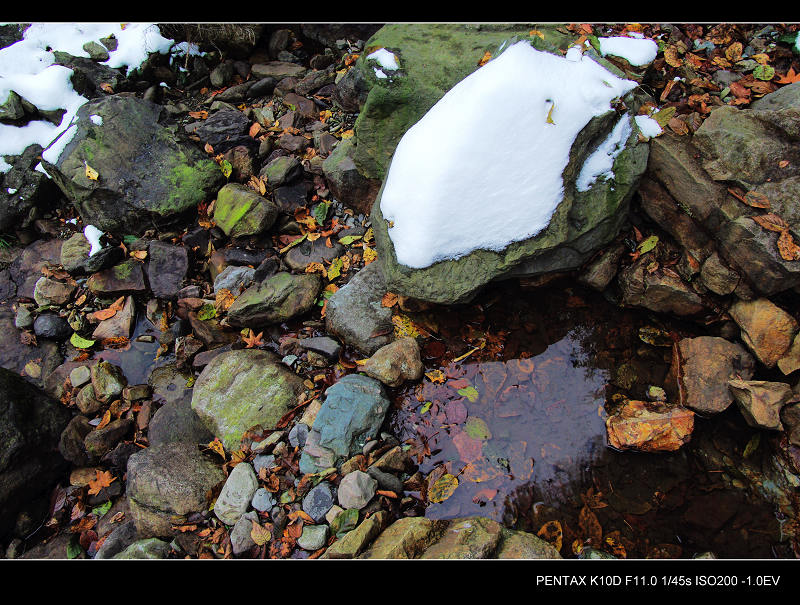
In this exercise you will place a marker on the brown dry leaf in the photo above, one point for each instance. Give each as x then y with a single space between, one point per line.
389 299
208 148
198 115
672 56
552 533
771 222
102 479
781 164
223 300
139 254
299 514
485 59
317 268
790 78
756 200
678 126
111 311
590 526
106 87
787 247
216 446
116 342
613 544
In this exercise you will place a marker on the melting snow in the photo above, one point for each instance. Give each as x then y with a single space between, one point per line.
648 126
96 120
599 164
495 178
27 68
636 51
385 59
93 234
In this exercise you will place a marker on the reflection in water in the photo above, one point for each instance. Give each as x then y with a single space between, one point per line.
521 424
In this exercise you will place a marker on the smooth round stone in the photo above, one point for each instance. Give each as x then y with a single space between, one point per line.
298 435
266 461
263 500
80 376
313 537
319 501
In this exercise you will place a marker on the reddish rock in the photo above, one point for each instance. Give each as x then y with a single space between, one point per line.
767 330
650 427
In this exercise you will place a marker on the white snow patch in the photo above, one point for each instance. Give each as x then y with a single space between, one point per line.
72 221
181 49
385 58
648 126
96 119
52 153
574 53
27 68
379 73
635 51
4 166
93 234
11 191
452 190
601 162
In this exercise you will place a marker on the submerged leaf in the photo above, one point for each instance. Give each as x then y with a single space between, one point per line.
442 488
470 393
81 343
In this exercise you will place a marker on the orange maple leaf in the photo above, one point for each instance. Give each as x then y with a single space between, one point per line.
102 479
253 339
790 78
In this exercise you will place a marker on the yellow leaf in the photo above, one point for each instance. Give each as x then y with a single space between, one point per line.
260 534
91 173
102 479
403 326
550 114
442 488
347 134
551 532
216 446
436 376
139 254
369 255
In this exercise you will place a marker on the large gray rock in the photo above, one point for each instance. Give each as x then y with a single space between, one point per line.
30 426
24 192
352 414
240 389
236 494
166 483
146 174
275 300
355 313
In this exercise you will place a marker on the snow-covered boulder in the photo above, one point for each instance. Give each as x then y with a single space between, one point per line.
524 167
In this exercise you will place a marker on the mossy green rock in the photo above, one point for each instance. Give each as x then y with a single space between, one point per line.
127 276
146 174
149 548
240 211
275 300
432 59
240 389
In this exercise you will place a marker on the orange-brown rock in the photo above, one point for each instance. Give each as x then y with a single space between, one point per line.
767 329
649 427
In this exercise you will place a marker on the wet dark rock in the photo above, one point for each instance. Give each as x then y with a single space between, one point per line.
107 381
301 256
718 277
316 80
26 269
269 267
599 273
221 74
346 182
50 325
319 501
242 257
290 197
280 170
223 130
103 259
166 268
118 540
293 143
262 88
25 193
87 75
120 324
323 345
660 291
127 276
395 363
70 443
30 427
242 161
235 279
101 441
130 195
176 421
355 314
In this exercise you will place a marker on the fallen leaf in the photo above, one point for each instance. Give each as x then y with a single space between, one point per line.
790 78
102 479
253 340
552 533
260 534
91 173
389 299
442 488
485 59
771 222
590 526
787 247
108 313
